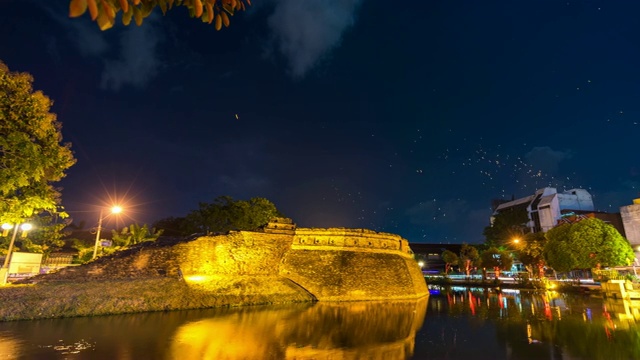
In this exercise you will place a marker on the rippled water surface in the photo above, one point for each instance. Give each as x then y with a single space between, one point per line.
450 324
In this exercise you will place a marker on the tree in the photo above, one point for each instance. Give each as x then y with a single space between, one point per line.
172 226
468 257
226 214
134 234
104 12
496 259
450 258
506 225
31 154
587 244
45 236
531 253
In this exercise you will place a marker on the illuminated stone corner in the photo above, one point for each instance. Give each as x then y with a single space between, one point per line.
279 225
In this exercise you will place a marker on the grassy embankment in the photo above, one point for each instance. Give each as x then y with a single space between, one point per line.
66 299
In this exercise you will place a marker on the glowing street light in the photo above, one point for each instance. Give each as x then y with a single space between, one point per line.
114 210
4 271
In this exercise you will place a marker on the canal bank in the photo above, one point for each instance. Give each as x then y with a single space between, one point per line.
586 286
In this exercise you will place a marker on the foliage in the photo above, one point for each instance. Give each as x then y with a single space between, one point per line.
172 226
606 275
496 259
134 234
506 226
85 251
587 244
31 156
469 256
104 12
450 258
531 253
558 251
45 236
226 214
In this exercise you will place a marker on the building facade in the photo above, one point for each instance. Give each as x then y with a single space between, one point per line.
547 206
631 221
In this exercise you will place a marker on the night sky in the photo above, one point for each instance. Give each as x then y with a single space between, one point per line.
405 117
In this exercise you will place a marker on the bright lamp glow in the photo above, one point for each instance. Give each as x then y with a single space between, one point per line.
7 226
116 209
26 227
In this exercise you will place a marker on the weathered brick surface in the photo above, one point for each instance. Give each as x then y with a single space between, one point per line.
331 264
340 275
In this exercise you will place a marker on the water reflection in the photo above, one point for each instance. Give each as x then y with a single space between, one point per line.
524 325
357 330
457 323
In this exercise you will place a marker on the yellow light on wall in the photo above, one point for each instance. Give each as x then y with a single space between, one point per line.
196 278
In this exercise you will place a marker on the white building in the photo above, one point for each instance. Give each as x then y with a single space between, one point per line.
547 206
631 221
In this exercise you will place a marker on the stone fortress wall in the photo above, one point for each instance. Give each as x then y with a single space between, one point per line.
341 264
279 261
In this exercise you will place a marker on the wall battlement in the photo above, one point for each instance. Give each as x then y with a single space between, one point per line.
350 240
339 238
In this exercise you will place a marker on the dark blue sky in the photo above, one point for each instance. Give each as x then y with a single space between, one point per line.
357 113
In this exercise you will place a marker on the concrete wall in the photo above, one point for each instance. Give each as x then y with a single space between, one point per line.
576 199
631 220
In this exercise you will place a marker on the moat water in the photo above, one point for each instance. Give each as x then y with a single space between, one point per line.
457 323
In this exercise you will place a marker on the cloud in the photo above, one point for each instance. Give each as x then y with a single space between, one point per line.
88 38
139 62
82 32
545 159
305 31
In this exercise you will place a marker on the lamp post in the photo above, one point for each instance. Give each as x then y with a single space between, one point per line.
4 271
114 210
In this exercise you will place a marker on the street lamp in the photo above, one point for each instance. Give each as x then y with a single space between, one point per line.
4 271
114 210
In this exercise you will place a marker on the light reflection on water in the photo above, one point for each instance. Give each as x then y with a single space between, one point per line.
470 323
353 330
511 324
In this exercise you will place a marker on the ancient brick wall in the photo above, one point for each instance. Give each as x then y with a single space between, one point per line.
353 264
331 264
238 253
